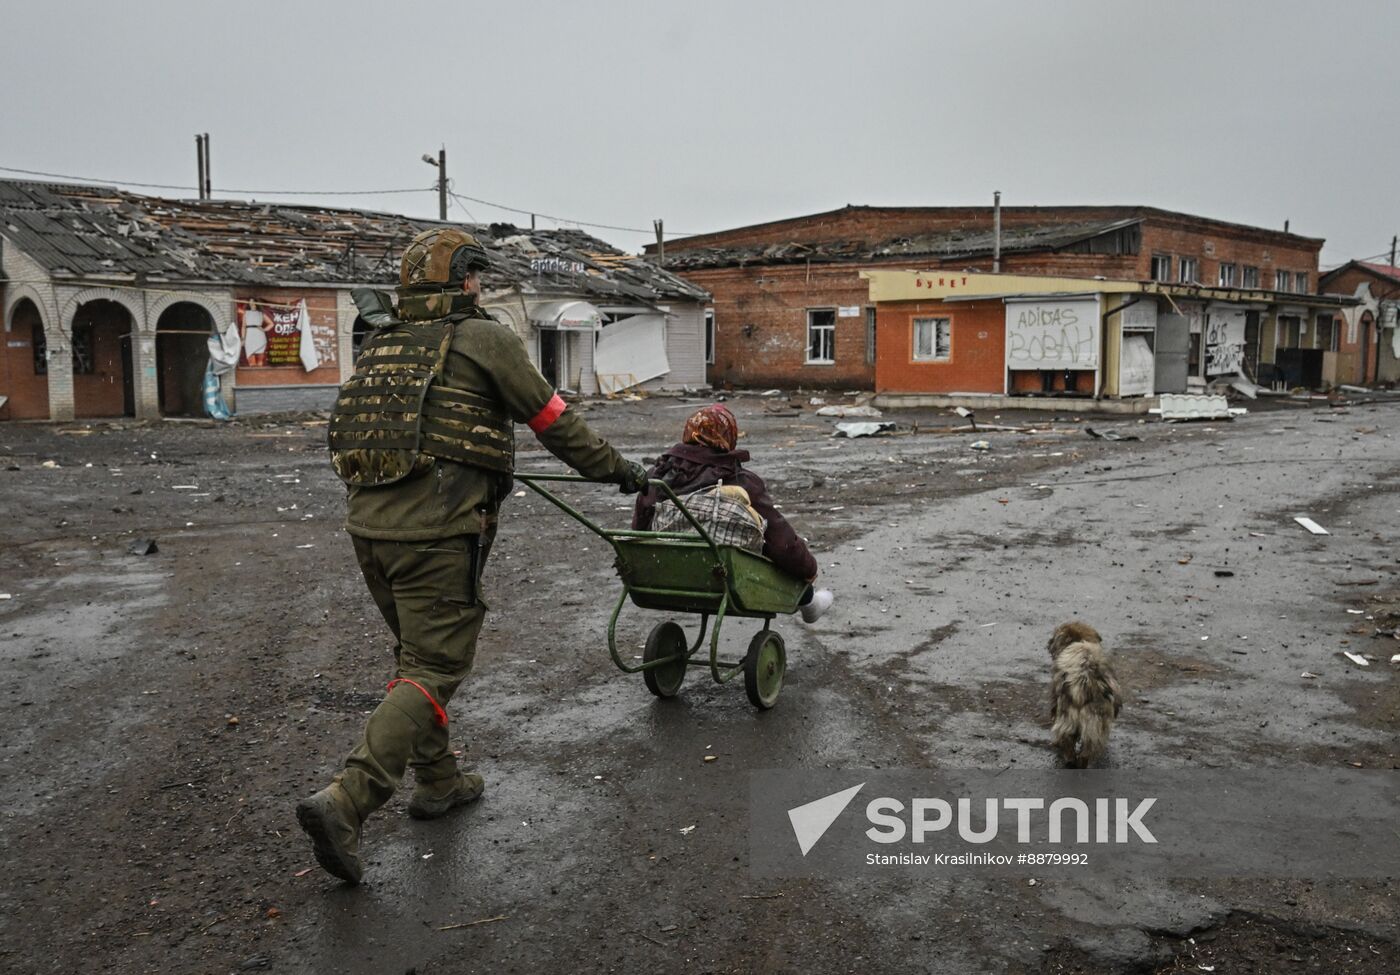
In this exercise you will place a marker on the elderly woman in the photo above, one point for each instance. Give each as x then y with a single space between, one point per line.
708 455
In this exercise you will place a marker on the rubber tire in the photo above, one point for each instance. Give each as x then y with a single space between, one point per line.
665 640
764 667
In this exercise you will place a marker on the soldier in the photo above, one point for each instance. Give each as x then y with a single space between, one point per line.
422 437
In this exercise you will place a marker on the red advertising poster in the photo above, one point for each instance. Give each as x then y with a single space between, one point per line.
271 334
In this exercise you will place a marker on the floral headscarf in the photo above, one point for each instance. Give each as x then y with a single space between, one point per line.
712 426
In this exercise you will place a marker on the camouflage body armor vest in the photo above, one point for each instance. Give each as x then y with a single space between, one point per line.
394 416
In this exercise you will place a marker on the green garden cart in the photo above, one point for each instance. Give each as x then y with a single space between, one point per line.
681 572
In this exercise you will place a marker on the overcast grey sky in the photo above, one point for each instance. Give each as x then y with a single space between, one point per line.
716 114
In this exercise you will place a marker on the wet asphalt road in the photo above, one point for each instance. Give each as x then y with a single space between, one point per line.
950 567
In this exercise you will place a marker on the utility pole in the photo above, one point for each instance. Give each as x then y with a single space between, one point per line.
199 151
1393 242
208 164
660 242
996 232
441 163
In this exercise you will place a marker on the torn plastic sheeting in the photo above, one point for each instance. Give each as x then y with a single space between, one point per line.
854 430
868 411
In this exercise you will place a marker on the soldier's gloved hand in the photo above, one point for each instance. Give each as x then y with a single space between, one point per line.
632 478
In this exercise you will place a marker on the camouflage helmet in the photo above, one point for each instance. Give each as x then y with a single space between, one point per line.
441 257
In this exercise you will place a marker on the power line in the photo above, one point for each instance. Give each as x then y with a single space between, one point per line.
221 189
580 223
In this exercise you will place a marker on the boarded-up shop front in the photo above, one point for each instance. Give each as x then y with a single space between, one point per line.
1052 344
289 359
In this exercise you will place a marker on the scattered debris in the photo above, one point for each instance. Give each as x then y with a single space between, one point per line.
980 445
50 464
866 411
854 430
711 758
143 546
303 872
1311 525
1395 659
1309 675
1356 658
1223 574
5 595
1195 406
1110 435
687 830
472 924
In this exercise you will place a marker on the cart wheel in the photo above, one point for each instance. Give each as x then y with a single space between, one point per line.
665 640
764 668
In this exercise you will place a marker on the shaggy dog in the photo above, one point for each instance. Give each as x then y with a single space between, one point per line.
1084 694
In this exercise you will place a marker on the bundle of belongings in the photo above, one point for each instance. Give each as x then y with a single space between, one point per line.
725 511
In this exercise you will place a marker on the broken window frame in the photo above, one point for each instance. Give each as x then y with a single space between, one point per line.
1249 277
84 362
939 331
1188 270
1228 275
1162 268
39 343
709 336
821 336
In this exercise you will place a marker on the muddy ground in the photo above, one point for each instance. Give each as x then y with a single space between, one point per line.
162 713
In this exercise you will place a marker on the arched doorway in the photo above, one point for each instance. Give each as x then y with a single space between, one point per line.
24 365
1368 341
102 380
182 355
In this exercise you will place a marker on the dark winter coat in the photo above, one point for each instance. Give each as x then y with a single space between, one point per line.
688 467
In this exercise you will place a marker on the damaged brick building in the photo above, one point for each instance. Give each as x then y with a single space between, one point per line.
790 306
110 300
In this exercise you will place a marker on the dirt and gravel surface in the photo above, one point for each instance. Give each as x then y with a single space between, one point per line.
162 713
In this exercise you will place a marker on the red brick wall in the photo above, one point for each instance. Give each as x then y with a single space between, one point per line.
320 305
1368 332
977 353
761 326
1214 244
28 392
103 391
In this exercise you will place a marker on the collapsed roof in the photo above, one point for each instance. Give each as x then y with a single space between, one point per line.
100 232
943 244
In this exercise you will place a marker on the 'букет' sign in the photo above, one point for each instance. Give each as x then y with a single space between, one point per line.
1052 333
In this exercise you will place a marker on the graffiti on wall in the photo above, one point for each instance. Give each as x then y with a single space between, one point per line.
1052 334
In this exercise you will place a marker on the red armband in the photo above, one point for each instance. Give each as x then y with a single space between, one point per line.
545 418
439 715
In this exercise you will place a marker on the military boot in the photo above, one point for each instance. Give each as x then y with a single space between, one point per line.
331 820
433 799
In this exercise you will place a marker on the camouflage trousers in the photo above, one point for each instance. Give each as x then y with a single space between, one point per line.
430 595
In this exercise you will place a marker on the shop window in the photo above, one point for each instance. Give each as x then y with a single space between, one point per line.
40 344
1188 270
1228 275
1283 281
821 336
710 338
933 339
870 336
1249 277
1326 333
83 362
1161 267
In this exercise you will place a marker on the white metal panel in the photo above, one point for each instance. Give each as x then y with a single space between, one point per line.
1187 406
1224 340
631 351
1136 367
1052 333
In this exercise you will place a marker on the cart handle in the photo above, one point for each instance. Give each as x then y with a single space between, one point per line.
611 536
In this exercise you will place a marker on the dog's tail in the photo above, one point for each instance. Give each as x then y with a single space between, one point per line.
1087 700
